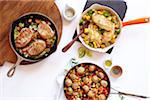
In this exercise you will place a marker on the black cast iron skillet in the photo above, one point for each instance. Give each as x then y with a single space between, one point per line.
21 57
109 86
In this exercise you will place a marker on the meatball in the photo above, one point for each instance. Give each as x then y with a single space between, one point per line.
70 91
81 70
95 79
36 47
102 97
104 83
77 99
86 88
91 93
45 31
68 82
101 75
86 80
73 76
24 38
75 85
91 68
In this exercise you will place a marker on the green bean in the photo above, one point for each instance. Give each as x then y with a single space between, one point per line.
106 14
81 22
117 31
90 12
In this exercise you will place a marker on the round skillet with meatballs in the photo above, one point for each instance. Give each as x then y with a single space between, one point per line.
34 36
86 81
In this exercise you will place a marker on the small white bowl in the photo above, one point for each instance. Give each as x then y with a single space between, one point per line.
69 13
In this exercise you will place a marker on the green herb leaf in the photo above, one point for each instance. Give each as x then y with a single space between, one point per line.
121 97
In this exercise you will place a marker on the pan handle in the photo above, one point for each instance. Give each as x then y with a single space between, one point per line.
137 21
11 71
128 94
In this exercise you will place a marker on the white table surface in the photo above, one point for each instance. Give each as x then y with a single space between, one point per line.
38 81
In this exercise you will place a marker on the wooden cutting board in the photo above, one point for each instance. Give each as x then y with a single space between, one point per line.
10 10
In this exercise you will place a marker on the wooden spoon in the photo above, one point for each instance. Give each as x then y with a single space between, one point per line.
71 43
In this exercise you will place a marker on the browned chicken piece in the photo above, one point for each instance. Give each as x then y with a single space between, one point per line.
36 47
102 22
24 38
45 31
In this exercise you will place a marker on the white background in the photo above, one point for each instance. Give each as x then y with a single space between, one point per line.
132 52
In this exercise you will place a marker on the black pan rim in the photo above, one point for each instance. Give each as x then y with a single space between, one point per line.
11 35
88 63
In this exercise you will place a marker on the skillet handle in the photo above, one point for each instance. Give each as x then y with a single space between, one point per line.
11 71
128 94
136 21
132 95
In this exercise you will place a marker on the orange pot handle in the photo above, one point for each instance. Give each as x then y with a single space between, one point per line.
136 21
